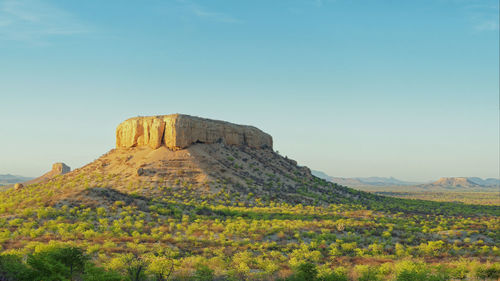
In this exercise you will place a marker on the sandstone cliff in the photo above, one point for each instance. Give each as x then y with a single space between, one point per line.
179 131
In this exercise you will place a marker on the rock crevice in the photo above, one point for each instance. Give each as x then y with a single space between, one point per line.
178 131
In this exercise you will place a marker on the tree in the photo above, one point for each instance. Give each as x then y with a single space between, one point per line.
74 258
58 261
135 266
46 268
13 269
160 267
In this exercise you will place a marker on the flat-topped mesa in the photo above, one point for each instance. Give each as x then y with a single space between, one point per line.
178 131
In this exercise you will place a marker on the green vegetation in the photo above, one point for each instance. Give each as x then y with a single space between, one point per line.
146 231
480 198
58 263
53 263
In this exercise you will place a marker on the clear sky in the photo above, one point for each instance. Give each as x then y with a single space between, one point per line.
403 88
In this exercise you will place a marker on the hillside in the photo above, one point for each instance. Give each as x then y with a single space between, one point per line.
187 193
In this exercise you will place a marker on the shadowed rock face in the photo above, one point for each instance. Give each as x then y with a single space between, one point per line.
179 131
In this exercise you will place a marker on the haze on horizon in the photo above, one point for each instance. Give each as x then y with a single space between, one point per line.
408 89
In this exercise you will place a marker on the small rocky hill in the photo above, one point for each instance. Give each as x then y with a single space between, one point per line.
57 169
17 181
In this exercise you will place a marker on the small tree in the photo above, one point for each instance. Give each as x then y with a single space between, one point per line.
135 267
47 268
13 269
74 258
160 268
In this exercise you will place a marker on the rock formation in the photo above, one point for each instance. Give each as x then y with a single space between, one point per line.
60 168
18 186
179 131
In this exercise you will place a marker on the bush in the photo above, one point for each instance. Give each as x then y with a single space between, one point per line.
491 272
410 271
53 264
94 273
368 273
335 276
203 273
304 272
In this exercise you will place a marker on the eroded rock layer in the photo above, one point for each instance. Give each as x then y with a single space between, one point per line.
179 131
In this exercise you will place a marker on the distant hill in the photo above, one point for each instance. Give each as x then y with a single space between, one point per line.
12 179
463 182
364 181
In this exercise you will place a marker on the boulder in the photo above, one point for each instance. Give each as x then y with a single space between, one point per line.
178 131
18 186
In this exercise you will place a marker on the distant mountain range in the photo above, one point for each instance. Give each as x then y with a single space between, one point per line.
364 181
11 179
445 183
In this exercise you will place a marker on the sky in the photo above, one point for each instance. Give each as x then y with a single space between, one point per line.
354 88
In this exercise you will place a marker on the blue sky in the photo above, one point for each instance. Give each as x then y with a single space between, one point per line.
353 88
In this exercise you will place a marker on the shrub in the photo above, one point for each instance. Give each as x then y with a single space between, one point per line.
411 271
335 276
94 273
368 273
491 272
203 273
304 272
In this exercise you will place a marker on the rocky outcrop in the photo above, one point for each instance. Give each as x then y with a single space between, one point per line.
179 131
60 168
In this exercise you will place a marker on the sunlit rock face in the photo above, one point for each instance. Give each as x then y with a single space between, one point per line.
178 131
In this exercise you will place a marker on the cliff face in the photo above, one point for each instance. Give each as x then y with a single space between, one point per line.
179 131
